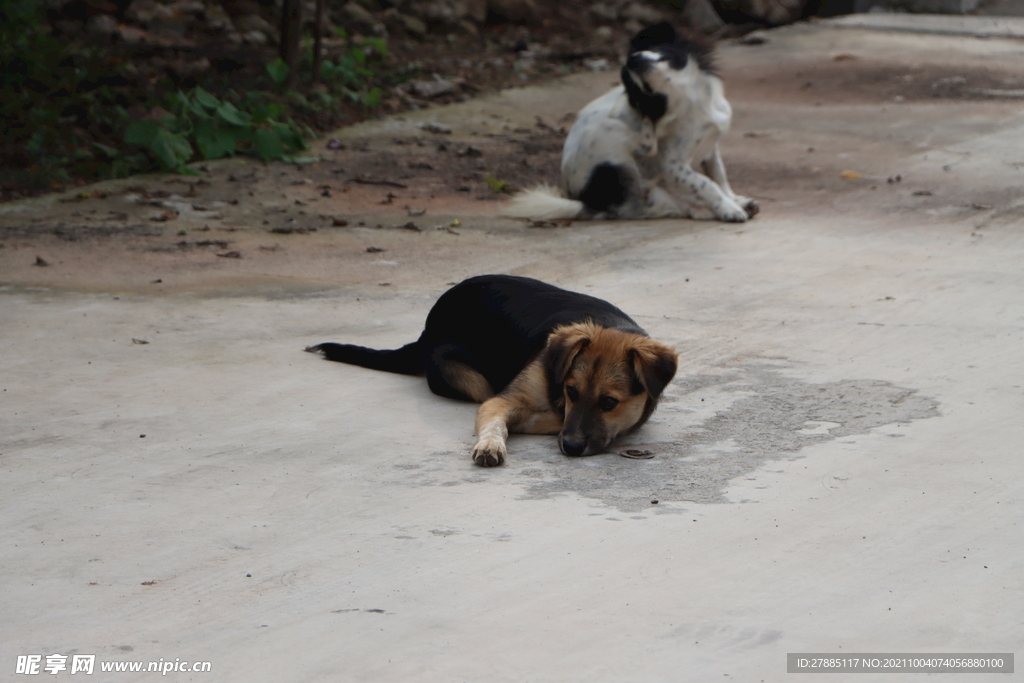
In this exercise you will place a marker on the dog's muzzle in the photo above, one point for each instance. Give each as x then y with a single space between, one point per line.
573 447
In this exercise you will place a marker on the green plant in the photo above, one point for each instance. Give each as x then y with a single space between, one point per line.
278 71
496 185
215 128
350 73
62 104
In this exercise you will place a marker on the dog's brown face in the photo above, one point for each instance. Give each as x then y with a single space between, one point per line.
606 381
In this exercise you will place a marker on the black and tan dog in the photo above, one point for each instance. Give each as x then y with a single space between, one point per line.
541 359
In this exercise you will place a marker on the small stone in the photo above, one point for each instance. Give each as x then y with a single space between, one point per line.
131 35
101 25
145 12
603 12
406 22
255 38
254 22
429 89
359 15
217 19
641 13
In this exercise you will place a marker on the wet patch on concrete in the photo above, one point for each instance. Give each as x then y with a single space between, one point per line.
765 416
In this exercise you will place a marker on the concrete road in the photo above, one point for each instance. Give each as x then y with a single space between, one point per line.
837 466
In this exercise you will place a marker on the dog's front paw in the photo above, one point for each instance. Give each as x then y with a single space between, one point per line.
730 212
489 452
749 205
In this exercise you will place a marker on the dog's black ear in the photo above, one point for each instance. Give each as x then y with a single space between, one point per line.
652 36
654 365
651 105
564 344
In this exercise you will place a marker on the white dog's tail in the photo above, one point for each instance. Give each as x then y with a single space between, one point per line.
542 203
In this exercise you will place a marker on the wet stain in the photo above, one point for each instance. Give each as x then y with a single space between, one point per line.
767 416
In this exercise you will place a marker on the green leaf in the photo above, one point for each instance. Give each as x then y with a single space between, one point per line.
373 97
497 185
290 137
243 137
141 132
194 108
231 114
214 141
325 98
206 99
275 110
171 150
110 152
177 100
268 144
381 46
278 71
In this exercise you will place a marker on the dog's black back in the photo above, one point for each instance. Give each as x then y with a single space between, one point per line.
495 324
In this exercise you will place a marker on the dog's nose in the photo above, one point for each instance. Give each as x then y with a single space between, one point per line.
573 447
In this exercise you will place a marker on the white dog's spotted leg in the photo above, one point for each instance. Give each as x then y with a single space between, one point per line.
707 191
715 169
661 204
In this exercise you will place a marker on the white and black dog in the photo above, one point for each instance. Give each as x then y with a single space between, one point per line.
647 148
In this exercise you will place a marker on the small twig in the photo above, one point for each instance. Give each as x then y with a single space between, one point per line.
370 181
544 125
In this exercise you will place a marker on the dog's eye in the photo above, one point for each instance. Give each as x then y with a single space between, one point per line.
572 394
607 403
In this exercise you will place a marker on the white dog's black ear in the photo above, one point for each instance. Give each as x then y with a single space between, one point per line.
650 104
653 36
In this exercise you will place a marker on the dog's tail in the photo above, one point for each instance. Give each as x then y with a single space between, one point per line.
542 203
407 360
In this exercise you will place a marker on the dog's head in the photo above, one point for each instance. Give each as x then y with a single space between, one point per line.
606 381
662 65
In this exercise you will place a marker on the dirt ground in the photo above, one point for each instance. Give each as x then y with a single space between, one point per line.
430 182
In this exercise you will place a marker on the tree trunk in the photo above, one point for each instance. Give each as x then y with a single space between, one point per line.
291 30
318 40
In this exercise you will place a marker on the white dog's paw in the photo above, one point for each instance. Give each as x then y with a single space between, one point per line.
730 212
749 205
489 452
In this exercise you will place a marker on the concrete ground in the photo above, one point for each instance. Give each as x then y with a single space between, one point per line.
837 465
